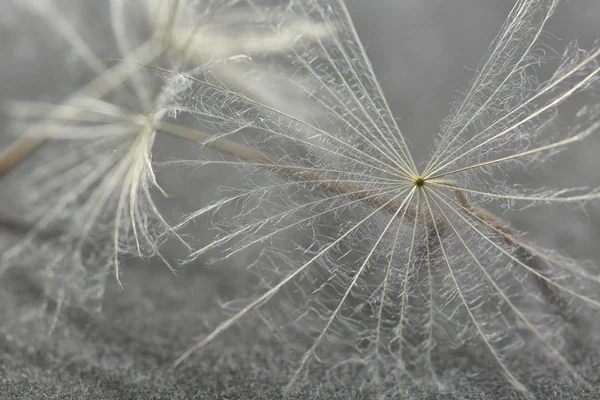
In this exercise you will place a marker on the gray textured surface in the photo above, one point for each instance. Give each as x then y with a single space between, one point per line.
128 351
421 51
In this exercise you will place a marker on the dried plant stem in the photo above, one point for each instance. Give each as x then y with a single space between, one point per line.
510 235
17 152
248 154
24 147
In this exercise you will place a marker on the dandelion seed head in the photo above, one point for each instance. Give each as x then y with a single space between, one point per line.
98 186
401 263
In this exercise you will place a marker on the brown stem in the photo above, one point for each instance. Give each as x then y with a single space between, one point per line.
17 152
248 154
22 148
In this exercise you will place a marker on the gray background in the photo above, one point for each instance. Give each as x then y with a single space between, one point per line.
422 51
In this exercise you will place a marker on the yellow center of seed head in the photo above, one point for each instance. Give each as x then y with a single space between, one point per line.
419 182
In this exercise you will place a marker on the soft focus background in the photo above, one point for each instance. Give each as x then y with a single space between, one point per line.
423 52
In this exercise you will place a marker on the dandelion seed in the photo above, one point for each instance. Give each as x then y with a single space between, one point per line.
101 177
422 269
